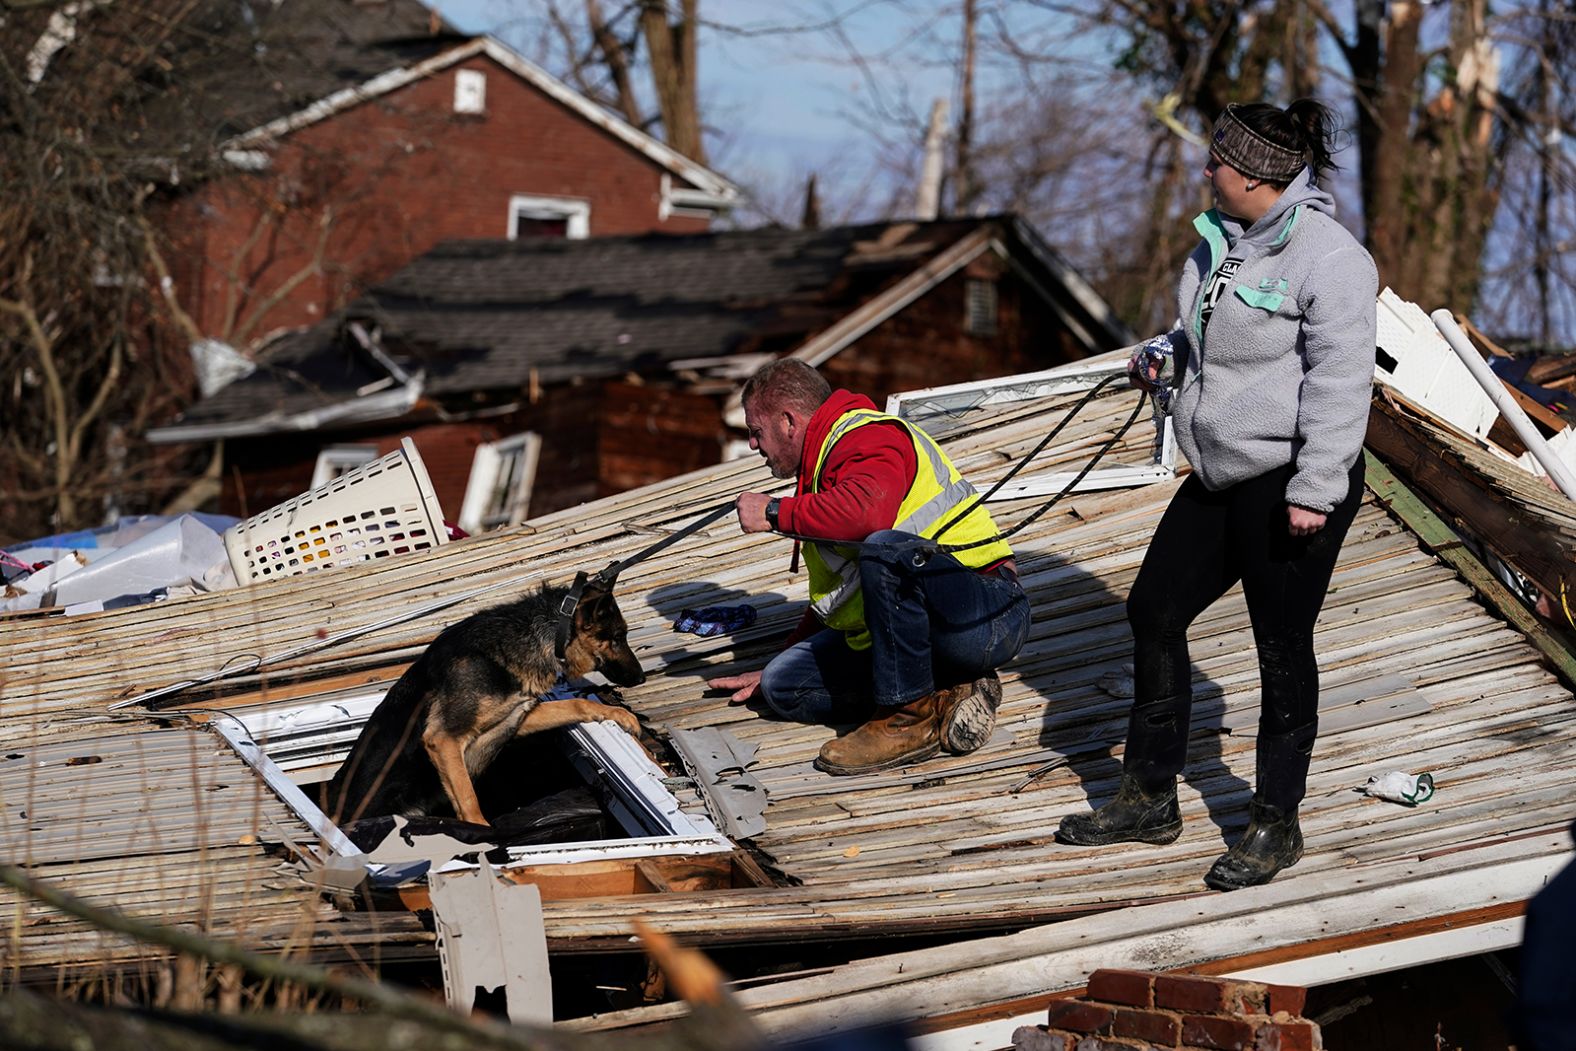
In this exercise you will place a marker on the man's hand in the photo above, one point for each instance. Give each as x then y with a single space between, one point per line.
1303 522
743 686
751 508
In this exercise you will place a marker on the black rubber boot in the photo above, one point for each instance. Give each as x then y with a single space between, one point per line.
1134 816
1272 842
1157 740
1145 808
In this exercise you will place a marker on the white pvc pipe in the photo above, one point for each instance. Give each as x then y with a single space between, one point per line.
1525 429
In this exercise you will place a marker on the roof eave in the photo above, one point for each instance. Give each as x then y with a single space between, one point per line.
387 405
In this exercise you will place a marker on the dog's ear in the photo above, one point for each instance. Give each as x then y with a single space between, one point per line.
592 600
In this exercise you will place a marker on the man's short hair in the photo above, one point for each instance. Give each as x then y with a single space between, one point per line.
786 383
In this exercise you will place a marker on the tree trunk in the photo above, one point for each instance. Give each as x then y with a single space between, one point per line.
1385 206
671 52
965 189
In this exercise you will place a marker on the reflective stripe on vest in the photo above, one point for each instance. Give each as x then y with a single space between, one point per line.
834 574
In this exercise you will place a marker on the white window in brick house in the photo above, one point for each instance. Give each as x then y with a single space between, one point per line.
548 217
470 91
336 460
499 490
981 307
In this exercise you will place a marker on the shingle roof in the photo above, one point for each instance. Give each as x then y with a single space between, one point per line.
486 315
199 76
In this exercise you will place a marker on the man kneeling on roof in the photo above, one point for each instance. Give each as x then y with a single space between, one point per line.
904 633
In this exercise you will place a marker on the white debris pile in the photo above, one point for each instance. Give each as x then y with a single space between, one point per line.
137 560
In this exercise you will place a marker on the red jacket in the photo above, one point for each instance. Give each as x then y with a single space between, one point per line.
866 476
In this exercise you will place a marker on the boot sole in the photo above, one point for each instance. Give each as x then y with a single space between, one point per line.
839 770
969 725
1158 836
972 723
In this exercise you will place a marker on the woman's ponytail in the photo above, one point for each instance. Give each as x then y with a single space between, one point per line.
1316 126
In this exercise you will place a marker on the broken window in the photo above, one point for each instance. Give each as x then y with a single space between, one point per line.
605 795
502 476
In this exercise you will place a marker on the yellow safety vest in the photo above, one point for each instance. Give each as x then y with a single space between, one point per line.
937 491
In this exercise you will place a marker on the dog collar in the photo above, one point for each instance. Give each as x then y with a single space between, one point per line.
571 602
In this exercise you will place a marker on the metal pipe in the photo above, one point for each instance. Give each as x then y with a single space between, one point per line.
1525 429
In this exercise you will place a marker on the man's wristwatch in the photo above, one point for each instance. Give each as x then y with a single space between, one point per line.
771 513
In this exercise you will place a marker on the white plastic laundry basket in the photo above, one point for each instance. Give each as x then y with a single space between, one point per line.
378 510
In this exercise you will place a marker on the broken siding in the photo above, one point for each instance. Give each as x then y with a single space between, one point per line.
1520 517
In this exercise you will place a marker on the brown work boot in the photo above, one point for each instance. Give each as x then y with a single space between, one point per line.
894 736
968 713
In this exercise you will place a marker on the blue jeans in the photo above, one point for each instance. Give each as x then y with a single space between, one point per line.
933 624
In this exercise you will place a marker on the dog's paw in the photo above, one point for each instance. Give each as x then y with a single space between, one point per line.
624 718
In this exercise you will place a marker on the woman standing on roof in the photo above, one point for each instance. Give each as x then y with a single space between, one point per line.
1273 356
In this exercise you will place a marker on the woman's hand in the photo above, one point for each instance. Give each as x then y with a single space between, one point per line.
1149 368
1303 522
1141 371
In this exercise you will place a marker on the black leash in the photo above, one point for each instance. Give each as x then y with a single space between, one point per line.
604 580
927 548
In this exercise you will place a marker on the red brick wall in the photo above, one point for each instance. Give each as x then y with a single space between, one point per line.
649 433
1140 1011
383 182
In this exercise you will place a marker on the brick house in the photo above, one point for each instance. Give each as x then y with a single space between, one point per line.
383 134
536 374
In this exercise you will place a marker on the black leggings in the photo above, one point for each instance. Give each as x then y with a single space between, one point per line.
1206 542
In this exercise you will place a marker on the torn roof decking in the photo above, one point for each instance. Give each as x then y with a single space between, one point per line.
1417 674
170 825
1522 518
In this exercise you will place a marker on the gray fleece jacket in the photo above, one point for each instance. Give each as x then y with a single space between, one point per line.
1282 372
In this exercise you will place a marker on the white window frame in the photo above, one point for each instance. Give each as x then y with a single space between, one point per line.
575 210
303 741
470 91
337 460
486 468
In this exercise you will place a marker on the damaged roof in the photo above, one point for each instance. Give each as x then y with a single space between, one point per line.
1418 675
203 73
496 315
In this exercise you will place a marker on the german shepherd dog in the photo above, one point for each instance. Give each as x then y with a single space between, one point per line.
476 688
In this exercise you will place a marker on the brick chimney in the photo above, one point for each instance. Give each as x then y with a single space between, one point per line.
1139 1011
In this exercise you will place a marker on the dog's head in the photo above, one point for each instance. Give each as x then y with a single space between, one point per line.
598 641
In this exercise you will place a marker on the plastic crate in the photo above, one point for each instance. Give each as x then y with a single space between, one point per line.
378 510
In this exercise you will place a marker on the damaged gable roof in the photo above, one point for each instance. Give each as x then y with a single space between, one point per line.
491 315
182 79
